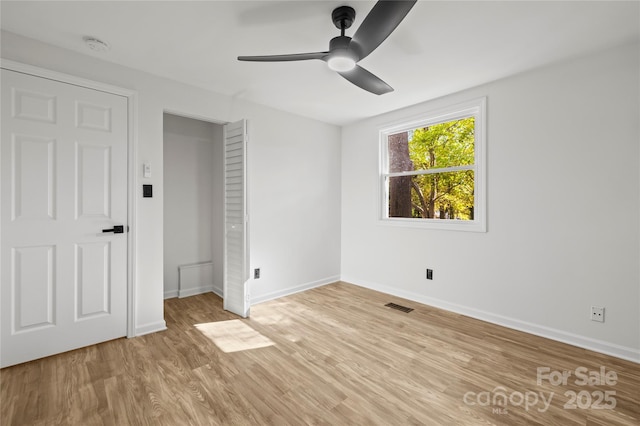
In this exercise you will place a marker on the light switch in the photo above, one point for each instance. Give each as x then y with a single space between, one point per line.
146 170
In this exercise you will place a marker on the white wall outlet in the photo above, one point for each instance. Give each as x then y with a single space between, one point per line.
146 170
597 313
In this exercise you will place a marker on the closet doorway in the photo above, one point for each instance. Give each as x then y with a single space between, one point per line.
193 206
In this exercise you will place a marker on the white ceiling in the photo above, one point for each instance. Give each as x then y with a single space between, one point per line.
441 47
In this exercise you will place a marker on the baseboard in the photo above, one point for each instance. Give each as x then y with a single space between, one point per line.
218 291
195 290
618 351
170 294
192 292
293 290
150 328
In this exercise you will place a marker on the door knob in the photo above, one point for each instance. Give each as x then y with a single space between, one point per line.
117 229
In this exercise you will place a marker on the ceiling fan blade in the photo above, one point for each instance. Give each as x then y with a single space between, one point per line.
367 81
284 58
378 24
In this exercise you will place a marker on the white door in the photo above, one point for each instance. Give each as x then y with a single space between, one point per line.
236 247
64 180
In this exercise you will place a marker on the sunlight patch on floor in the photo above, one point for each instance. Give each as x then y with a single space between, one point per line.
233 335
270 318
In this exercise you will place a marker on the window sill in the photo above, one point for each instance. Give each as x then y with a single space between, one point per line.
436 224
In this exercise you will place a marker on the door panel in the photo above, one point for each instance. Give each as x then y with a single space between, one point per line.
93 285
236 251
33 106
64 179
33 286
33 173
93 167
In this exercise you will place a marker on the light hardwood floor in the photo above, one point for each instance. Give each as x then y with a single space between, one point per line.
338 357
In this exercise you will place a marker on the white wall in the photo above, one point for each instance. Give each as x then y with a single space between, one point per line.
294 178
563 209
189 165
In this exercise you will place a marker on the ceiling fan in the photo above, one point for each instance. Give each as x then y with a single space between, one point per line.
345 52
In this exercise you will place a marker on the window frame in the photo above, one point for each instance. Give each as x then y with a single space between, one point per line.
474 108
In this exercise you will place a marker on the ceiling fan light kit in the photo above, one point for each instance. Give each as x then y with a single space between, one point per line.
345 52
341 63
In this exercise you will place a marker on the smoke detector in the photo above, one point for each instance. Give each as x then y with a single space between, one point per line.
95 44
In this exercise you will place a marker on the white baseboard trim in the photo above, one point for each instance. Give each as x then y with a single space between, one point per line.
618 351
218 291
195 290
192 292
293 290
150 328
170 294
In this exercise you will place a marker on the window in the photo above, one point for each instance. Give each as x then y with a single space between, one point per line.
432 170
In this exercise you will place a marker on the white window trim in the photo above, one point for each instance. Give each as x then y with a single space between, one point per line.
476 108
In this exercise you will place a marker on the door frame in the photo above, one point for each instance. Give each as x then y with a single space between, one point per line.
132 132
203 119
206 119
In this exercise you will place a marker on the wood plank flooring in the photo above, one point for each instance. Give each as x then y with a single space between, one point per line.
338 357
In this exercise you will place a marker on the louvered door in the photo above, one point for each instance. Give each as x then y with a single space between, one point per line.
236 250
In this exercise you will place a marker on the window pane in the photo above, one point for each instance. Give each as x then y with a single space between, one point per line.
433 196
436 146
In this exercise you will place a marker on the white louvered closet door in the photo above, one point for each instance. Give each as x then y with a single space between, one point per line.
236 247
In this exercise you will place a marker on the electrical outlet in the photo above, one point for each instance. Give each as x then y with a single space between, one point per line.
256 273
597 313
429 274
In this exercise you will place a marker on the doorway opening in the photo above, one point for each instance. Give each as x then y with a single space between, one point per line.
193 206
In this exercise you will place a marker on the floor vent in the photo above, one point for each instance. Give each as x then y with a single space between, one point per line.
399 307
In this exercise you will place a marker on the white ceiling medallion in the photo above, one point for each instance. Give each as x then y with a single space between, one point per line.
96 44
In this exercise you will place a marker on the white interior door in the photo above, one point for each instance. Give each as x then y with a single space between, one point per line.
64 181
236 247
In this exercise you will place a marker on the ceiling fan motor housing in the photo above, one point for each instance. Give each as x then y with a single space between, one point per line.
341 57
339 43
